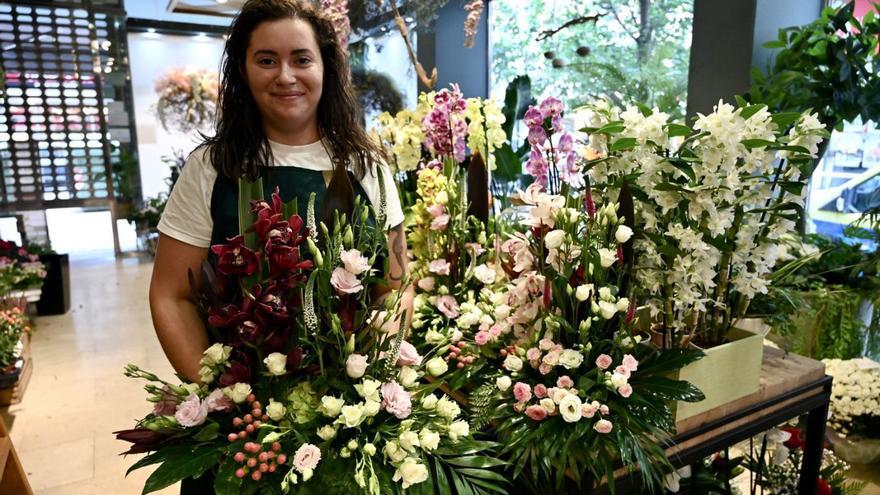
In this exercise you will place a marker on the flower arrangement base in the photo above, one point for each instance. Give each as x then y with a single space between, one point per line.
727 372
855 450
13 393
55 297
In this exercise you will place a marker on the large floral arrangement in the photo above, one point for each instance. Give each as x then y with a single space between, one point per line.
13 326
855 397
302 392
187 98
573 392
20 270
713 202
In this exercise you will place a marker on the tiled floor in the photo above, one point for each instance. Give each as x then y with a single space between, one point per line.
77 396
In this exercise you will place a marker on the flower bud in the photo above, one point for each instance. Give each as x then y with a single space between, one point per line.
348 238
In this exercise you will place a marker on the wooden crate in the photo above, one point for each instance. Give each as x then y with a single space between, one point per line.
13 395
13 478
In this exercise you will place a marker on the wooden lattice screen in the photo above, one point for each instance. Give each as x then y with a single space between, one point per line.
65 108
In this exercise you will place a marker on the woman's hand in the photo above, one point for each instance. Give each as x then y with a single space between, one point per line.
175 316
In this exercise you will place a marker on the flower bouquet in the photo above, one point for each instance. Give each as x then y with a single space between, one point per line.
573 395
187 98
302 392
855 409
14 329
20 270
712 203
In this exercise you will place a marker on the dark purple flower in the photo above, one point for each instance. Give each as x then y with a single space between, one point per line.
234 259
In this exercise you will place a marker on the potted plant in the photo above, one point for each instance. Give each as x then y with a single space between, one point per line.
711 204
13 351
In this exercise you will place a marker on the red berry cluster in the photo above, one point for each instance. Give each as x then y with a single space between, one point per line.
458 352
248 423
257 461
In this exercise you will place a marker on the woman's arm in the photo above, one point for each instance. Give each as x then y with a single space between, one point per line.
175 316
398 272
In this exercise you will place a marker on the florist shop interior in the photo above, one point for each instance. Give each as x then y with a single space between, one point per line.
439 247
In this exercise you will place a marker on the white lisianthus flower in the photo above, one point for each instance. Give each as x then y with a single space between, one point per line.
356 365
623 234
393 451
437 366
607 310
607 257
583 292
548 405
352 415
502 311
554 239
618 380
206 374
512 363
623 304
275 410
369 389
485 274
571 359
369 449
503 383
238 392
276 363
331 406
557 394
447 408
570 408
605 294
429 402
408 376
409 440
216 354
192 388
327 433
354 261
459 429
411 471
434 337
371 408
429 440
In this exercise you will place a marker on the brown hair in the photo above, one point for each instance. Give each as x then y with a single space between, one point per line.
239 146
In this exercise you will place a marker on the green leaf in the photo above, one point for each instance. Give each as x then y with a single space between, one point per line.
226 482
248 191
774 44
482 474
670 389
623 144
785 119
757 143
475 461
669 360
192 463
678 130
149 459
610 128
208 433
750 110
507 163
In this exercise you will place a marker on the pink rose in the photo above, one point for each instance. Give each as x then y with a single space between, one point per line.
603 426
436 210
440 223
603 410
545 344
482 338
345 282
589 410
533 354
625 391
396 400
168 405
354 261
540 391
191 412
630 362
622 370
604 361
536 412
447 305
426 284
408 355
475 247
495 330
519 407
545 369
440 267
307 456
218 401
564 382
522 392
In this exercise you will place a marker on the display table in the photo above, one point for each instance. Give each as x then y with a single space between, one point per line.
791 386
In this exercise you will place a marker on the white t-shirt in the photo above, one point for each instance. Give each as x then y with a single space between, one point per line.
187 216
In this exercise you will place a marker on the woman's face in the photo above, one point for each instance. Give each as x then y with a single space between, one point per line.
285 74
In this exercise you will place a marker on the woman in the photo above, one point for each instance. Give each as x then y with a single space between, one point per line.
288 115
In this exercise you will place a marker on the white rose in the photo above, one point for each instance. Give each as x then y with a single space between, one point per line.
557 394
331 405
411 471
607 310
428 439
394 452
408 440
327 433
554 239
206 374
275 410
429 402
216 354
623 233
356 365
623 304
502 311
276 363
605 294
607 257
503 383
459 429
456 335
434 337
513 363
571 359
437 366
447 409
238 392
371 408
548 405
570 408
369 389
618 380
408 376
351 416
484 274
583 292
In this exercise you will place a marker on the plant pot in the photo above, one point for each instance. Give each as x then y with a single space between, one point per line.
9 377
855 450
728 372
55 297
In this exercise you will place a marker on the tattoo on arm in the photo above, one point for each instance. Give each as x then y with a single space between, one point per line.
398 250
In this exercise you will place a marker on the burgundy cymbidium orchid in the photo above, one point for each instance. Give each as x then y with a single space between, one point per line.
235 259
